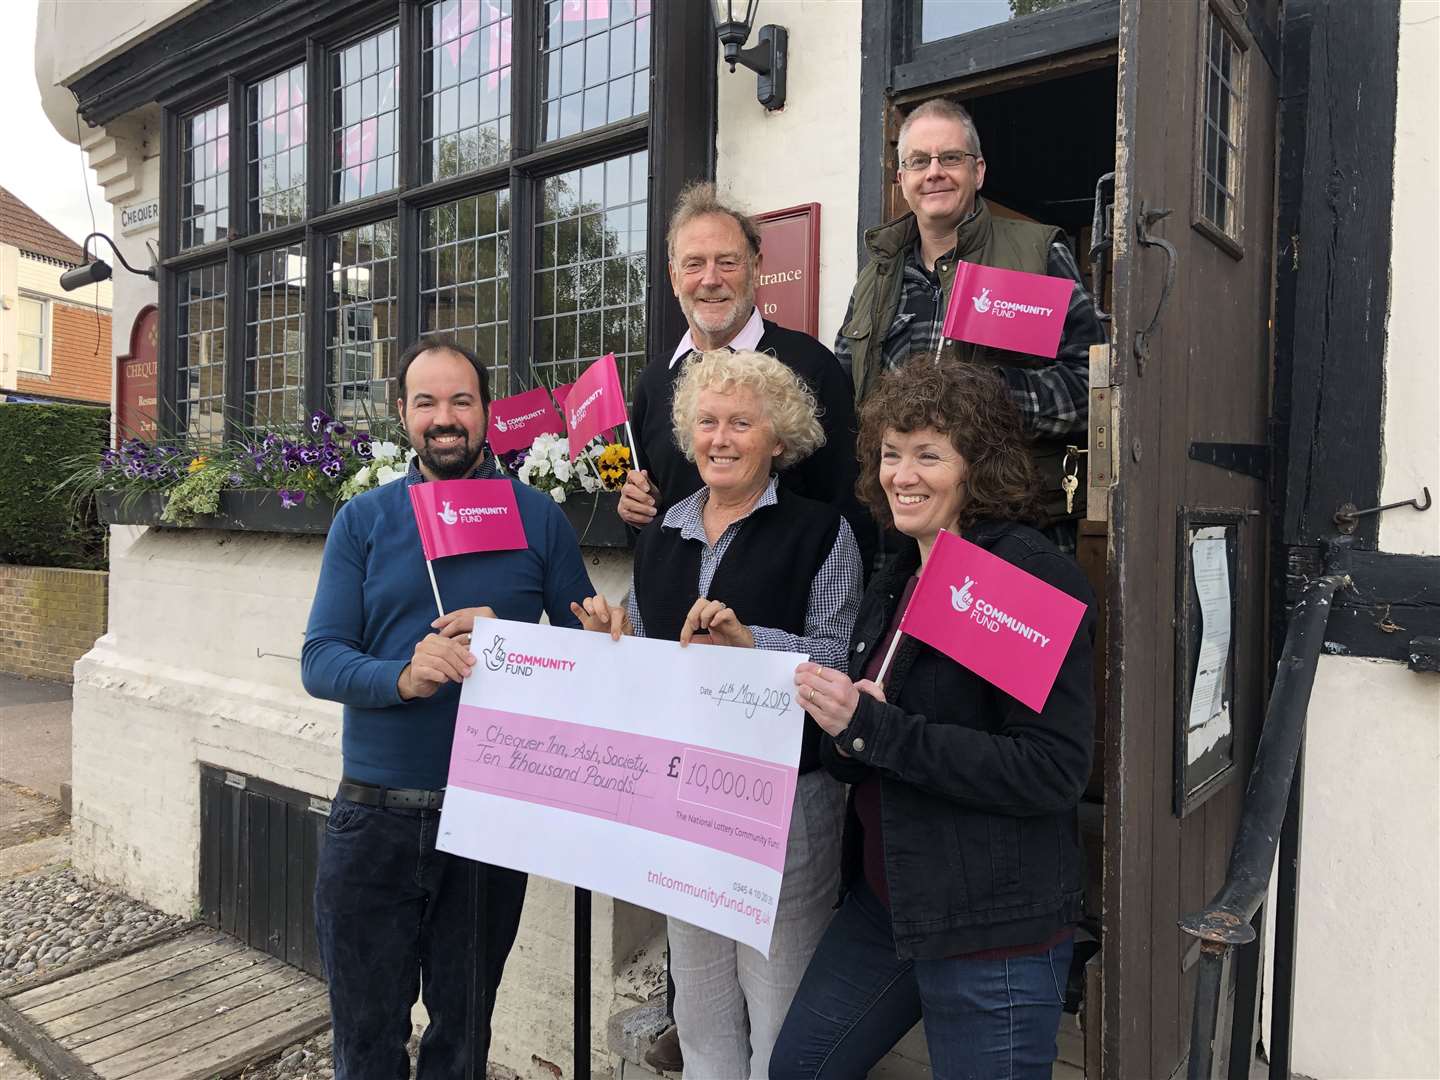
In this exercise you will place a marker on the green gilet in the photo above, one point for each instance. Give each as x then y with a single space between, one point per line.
982 238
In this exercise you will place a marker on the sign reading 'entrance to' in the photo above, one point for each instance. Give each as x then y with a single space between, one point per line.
787 290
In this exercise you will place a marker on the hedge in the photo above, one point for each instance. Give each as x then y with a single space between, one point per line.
38 527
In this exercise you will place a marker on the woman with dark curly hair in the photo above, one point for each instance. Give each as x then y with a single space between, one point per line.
962 866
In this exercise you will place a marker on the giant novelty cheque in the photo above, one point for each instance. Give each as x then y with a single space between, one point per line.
660 775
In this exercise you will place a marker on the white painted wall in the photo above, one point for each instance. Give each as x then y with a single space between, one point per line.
1367 996
1412 353
808 151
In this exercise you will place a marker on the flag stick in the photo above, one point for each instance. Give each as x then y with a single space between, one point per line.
889 656
939 345
430 569
634 447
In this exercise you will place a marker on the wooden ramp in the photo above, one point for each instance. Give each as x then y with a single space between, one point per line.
198 1005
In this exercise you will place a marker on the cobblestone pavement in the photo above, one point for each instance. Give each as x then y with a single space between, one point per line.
56 916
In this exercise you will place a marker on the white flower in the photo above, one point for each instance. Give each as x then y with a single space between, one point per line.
588 482
361 479
384 451
385 473
562 470
558 494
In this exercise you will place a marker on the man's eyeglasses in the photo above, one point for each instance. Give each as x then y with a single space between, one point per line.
949 159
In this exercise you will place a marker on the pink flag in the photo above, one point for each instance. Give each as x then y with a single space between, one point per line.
1008 309
457 517
1007 626
515 421
594 404
560 393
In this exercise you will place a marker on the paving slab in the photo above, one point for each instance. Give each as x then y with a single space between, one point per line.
35 734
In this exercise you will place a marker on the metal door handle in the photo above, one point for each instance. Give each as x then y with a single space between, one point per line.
1143 221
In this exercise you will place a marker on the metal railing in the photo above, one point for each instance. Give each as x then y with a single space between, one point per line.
1226 922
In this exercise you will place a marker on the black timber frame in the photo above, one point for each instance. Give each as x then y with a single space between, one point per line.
1333 242
211 55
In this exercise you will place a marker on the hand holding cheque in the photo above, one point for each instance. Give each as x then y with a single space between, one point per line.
443 656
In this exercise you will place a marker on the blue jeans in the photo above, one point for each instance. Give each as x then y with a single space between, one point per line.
984 1019
394 915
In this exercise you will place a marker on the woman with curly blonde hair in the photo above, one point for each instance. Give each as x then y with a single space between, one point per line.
962 862
746 563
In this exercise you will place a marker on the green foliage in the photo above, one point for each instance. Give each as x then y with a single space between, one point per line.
39 526
197 495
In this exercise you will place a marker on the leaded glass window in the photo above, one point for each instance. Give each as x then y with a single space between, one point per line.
360 310
595 62
465 278
205 184
1221 130
465 94
589 283
275 336
365 218
276 149
365 80
200 321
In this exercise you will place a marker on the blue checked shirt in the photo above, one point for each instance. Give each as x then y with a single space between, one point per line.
834 593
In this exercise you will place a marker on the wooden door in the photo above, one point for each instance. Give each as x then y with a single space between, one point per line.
1189 368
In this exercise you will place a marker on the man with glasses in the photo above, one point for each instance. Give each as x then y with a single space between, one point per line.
898 305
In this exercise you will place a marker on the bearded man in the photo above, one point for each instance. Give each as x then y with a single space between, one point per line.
394 915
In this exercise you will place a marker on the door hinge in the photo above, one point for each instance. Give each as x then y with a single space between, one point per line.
1248 458
1103 459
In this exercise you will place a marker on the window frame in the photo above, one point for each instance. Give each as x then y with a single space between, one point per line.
1232 243
46 335
679 107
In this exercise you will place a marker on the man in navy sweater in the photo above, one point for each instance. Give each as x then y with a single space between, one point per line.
392 913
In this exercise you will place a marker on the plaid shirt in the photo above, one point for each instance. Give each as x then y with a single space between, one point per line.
1054 400
834 593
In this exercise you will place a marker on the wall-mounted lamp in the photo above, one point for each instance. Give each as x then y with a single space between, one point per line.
768 59
98 269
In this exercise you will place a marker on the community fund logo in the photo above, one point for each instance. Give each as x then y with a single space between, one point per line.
497 658
989 617
960 599
501 424
578 413
447 514
1007 309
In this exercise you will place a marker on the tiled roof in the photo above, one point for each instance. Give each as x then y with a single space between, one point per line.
28 231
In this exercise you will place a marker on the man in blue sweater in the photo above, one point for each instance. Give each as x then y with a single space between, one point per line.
392 913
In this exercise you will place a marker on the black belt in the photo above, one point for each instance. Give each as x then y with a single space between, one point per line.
392 798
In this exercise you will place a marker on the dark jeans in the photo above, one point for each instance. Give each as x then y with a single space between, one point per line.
984 1019
392 913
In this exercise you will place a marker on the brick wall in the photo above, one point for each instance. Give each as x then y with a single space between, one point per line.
48 619
78 371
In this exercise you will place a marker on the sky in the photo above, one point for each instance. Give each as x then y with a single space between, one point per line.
37 165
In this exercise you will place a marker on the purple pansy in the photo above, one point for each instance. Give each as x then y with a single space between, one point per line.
290 498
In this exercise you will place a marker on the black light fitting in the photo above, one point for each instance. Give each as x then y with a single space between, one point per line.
98 269
768 59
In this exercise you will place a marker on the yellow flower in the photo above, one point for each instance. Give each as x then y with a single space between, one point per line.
198 463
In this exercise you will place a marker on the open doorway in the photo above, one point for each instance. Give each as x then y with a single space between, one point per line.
1048 136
